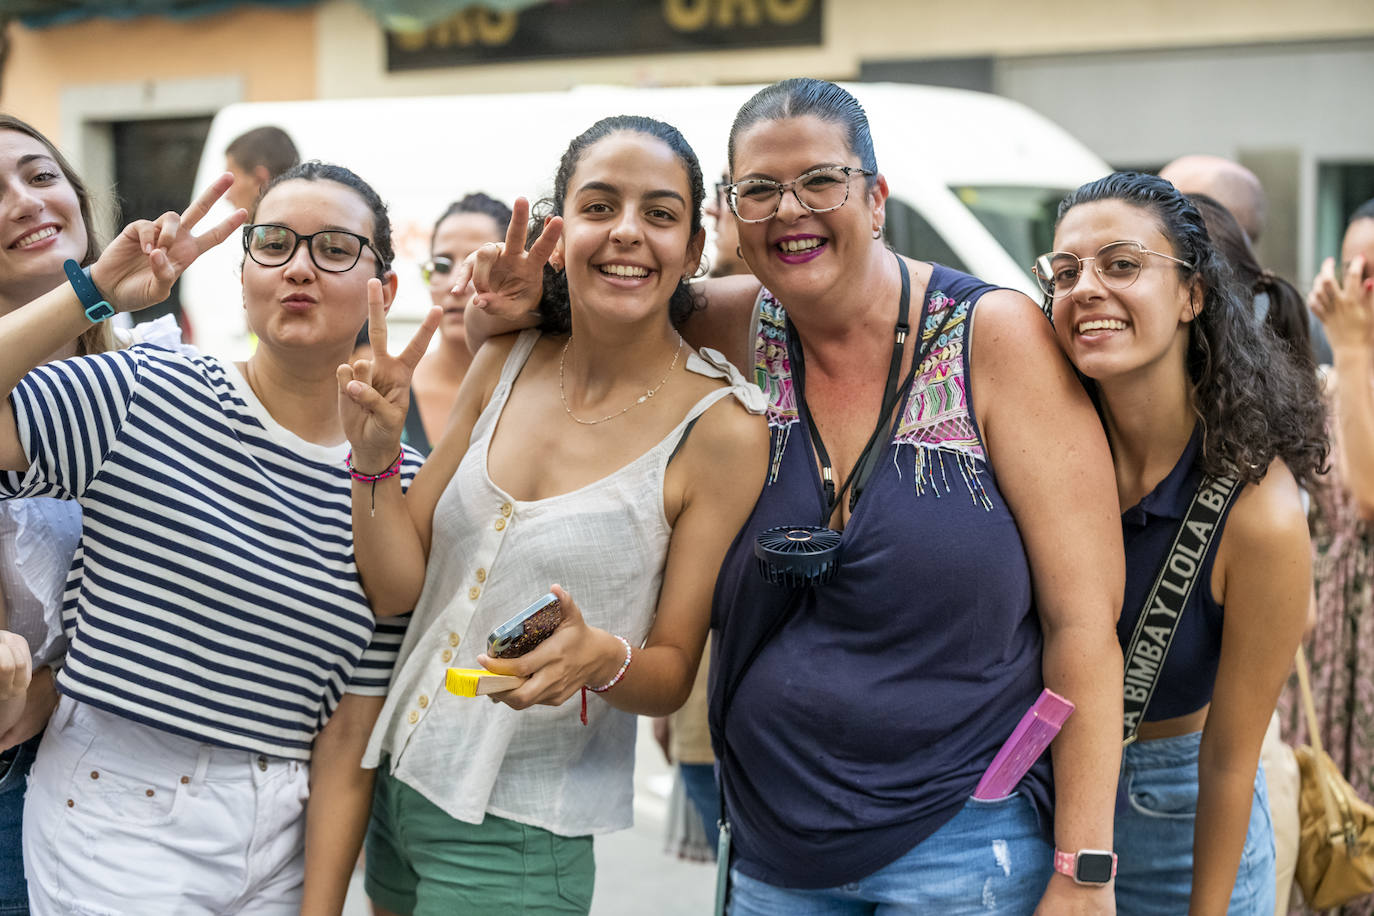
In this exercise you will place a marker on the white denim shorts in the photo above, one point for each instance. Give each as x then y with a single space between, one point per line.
121 818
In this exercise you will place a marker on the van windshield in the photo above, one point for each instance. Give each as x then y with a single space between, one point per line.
1021 219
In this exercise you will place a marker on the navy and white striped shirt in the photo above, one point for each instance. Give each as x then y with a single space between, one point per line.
214 594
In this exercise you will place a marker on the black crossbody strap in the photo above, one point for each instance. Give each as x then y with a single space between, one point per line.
1178 576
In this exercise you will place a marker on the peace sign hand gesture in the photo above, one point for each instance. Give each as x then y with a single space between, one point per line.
138 268
509 280
374 394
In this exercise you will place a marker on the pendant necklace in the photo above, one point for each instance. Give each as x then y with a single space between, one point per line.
563 393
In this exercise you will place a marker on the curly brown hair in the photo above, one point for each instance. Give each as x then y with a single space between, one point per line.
1254 398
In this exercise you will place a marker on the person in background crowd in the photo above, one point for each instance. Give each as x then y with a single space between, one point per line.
1190 389
1239 190
855 739
254 159
599 452
728 260
1278 303
1228 183
1341 646
465 226
224 664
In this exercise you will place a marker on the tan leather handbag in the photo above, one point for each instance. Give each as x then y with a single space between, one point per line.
1336 839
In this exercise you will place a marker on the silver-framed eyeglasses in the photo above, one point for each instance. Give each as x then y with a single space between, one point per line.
332 250
755 200
1117 263
436 268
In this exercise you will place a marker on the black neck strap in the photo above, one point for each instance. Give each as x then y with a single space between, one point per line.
890 391
1178 576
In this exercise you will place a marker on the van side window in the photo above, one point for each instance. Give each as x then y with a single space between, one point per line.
912 235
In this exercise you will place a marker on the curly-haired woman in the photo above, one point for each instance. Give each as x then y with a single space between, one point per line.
1192 396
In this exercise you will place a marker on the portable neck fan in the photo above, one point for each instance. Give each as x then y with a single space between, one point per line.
798 555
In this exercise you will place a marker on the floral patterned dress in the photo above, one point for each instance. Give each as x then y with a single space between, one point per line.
1340 649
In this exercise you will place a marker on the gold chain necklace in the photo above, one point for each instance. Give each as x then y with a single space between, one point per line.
563 393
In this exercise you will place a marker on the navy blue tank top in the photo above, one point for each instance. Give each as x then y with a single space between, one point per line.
866 722
1148 529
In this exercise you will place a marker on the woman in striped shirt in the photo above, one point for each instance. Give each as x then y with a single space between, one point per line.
224 663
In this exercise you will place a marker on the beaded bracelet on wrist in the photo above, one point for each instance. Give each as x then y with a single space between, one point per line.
393 470
624 666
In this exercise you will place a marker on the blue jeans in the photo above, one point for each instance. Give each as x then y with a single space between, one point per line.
14 893
699 782
1154 834
990 858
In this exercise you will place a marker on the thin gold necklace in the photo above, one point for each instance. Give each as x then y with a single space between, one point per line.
563 392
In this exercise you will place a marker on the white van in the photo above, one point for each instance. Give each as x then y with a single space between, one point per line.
974 178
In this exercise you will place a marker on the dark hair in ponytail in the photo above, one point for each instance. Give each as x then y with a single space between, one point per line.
1286 316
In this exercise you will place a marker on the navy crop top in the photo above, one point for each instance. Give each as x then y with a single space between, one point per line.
866 722
1148 528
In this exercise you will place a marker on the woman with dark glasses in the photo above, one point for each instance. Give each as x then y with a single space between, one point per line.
465 226
1213 425
224 663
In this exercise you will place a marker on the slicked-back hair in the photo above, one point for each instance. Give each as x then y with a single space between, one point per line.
554 308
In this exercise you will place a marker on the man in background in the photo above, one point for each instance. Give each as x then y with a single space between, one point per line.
1238 190
1228 183
255 158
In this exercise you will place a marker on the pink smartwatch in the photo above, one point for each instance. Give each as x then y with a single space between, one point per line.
1095 867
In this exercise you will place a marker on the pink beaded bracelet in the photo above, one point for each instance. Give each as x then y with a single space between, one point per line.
624 666
629 653
391 471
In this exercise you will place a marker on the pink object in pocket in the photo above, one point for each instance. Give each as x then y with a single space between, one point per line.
1028 741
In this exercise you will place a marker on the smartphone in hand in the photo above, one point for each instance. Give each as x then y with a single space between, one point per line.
526 629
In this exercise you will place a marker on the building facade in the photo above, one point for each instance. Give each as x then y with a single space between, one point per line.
1273 84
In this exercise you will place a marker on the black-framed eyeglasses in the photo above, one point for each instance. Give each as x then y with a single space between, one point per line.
436 268
754 200
332 250
1117 263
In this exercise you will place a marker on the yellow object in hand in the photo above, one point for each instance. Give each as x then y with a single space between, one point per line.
478 682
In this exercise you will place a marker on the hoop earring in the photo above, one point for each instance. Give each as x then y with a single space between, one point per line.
878 232
739 254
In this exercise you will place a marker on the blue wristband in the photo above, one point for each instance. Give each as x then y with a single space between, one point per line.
96 305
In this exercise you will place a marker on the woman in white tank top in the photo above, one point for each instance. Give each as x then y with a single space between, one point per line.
567 465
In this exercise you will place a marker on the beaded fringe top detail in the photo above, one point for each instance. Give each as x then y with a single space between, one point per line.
935 422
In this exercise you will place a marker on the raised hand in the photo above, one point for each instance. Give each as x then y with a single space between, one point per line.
138 268
508 279
374 394
1345 306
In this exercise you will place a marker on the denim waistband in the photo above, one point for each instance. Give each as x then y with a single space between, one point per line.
1179 749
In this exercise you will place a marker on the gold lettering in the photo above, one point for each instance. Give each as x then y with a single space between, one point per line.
687 15
748 10
787 12
412 41
495 28
456 30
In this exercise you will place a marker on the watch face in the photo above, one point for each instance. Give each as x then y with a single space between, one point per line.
1093 868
